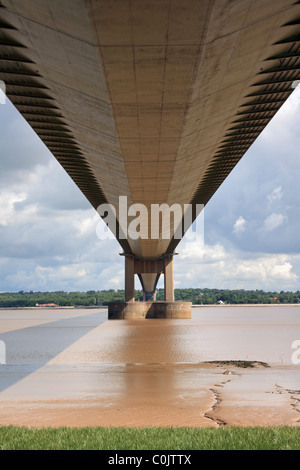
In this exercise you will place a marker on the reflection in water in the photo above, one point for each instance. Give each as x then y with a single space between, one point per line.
263 334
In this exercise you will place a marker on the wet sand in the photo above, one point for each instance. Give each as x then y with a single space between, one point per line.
74 368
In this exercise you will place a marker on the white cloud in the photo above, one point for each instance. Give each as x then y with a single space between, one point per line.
266 269
7 206
275 195
239 226
80 275
86 226
273 221
217 266
193 252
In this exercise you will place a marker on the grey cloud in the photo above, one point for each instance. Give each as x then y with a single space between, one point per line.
21 148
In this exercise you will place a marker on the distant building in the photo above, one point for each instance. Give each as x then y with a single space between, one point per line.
46 305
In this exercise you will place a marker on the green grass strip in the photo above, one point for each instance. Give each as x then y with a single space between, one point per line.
232 438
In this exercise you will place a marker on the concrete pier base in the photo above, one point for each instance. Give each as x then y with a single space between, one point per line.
132 310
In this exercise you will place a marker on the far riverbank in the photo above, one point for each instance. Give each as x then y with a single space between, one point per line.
93 307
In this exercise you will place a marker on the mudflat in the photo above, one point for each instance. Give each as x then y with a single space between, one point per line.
226 366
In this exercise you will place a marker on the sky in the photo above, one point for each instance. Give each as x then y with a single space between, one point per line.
48 238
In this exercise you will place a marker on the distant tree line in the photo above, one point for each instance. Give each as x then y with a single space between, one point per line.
238 296
196 296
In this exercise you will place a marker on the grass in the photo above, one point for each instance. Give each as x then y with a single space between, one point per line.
232 438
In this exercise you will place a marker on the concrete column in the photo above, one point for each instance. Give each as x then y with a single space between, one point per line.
154 296
129 279
169 279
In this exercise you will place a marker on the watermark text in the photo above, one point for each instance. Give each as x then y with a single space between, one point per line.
2 353
296 353
153 222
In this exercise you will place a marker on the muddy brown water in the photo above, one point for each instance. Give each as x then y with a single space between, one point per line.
72 367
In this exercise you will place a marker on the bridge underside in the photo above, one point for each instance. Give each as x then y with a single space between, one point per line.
155 100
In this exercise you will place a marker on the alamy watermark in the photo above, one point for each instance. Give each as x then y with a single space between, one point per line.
2 92
153 222
296 353
2 353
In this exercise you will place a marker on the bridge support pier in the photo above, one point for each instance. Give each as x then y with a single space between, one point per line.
129 279
149 271
154 267
169 280
133 310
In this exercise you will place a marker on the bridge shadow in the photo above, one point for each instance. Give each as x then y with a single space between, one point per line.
30 348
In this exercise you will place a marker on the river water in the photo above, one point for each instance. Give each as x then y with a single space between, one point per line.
73 367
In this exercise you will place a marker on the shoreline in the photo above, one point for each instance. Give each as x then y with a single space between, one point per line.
245 305
84 307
